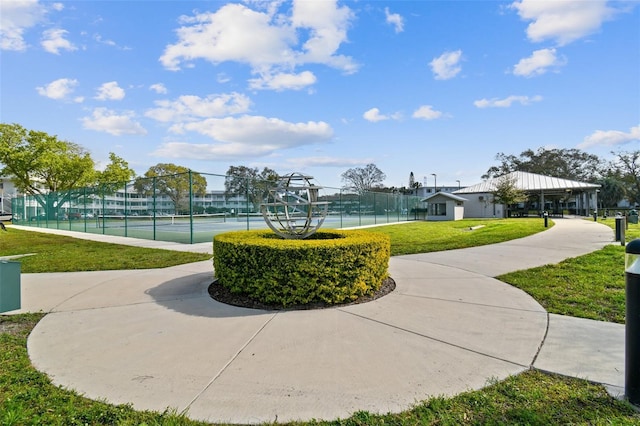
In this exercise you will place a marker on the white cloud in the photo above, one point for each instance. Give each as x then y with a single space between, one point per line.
16 17
245 137
373 115
394 19
447 65
110 92
233 33
271 44
190 107
284 81
610 138
327 25
59 89
506 102
108 42
563 21
104 120
538 63
159 88
53 41
426 112
223 78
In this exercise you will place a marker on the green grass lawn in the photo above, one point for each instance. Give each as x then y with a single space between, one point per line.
425 237
590 286
57 253
27 396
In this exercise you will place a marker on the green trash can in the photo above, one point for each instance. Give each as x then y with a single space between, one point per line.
9 285
633 216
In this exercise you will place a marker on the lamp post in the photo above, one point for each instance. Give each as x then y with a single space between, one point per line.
435 182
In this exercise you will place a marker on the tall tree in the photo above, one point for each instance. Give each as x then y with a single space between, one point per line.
412 180
507 192
250 183
572 164
44 166
363 179
116 172
627 164
172 181
612 191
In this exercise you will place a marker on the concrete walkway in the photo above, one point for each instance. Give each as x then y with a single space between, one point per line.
154 338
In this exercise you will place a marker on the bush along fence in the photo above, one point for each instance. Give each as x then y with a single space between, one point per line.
192 207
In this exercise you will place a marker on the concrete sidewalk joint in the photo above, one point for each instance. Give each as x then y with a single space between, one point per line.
155 339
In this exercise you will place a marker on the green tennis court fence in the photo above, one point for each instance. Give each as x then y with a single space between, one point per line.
193 207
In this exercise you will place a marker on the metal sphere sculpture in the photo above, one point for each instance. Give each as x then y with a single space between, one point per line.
292 209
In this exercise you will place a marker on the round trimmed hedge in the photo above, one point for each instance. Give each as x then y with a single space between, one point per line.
330 266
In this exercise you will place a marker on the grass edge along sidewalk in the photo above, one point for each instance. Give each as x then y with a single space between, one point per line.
28 397
533 397
58 253
590 286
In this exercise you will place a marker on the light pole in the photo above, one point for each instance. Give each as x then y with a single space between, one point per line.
458 184
435 182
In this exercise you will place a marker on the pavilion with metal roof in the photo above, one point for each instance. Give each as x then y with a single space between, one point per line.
542 187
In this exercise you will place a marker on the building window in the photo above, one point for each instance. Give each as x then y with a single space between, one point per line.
437 209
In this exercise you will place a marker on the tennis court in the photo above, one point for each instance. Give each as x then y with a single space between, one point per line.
150 212
182 229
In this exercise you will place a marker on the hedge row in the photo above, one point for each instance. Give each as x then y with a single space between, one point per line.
330 266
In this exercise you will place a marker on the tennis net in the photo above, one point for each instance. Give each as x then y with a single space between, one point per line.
121 221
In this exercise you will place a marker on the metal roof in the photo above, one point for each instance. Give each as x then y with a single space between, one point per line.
445 194
530 182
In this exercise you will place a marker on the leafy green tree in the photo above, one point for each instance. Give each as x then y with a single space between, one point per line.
43 166
612 190
572 164
363 179
627 165
115 174
172 181
506 192
250 183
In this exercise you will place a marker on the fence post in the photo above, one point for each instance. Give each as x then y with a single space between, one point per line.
153 185
190 207
126 217
375 214
84 205
103 196
246 196
341 210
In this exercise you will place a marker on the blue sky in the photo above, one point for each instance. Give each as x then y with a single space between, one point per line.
321 86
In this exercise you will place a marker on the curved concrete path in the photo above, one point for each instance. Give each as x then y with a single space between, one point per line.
154 338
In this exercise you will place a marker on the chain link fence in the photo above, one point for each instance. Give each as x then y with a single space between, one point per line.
193 207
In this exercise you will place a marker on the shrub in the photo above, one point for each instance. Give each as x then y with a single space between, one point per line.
330 266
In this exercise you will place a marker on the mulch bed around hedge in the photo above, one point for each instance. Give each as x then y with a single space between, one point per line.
223 295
